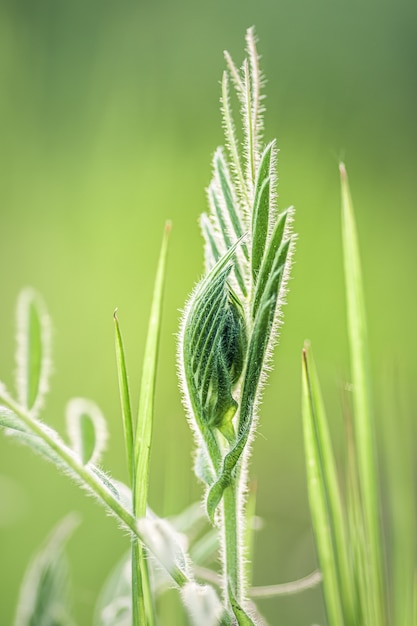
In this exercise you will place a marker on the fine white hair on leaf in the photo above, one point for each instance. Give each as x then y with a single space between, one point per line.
33 350
202 603
87 430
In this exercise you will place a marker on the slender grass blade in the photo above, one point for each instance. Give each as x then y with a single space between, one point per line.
125 401
318 491
364 429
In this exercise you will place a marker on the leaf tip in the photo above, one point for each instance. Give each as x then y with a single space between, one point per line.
342 170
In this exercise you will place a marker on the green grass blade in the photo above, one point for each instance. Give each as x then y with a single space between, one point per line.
143 436
319 492
362 405
124 397
143 440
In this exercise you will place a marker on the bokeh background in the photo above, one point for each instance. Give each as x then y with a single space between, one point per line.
108 119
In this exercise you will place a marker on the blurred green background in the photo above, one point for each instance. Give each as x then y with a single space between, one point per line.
108 120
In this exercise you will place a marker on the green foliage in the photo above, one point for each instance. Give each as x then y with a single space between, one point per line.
350 543
231 320
228 331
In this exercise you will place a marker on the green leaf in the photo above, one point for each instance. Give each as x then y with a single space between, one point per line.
124 397
230 201
165 543
275 255
332 536
114 604
33 356
87 430
44 595
257 349
261 209
209 305
219 213
315 434
202 604
143 608
143 437
362 406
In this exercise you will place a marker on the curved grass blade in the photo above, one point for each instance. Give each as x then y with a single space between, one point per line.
33 353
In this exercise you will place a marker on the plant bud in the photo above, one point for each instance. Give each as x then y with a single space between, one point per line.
215 348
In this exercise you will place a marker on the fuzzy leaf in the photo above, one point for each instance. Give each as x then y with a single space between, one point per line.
43 599
230 201
33 353
164 543
258 344
208 366
87 430
114 604
203 604
220 215
261 209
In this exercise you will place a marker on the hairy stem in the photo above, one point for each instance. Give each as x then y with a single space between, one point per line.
86 475
232 548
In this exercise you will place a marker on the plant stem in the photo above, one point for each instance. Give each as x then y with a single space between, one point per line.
85 476
232 547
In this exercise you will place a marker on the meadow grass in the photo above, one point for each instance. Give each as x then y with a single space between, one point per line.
228 331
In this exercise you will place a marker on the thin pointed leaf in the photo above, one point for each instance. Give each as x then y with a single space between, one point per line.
44 596
87 430
212 252
232 143
143 608
362 401
248 128
276 248
318 494
147 389
230 201
330 486
261 209
124 397
33 353
256 84
220 214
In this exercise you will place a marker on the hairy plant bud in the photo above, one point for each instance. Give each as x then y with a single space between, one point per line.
214 350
